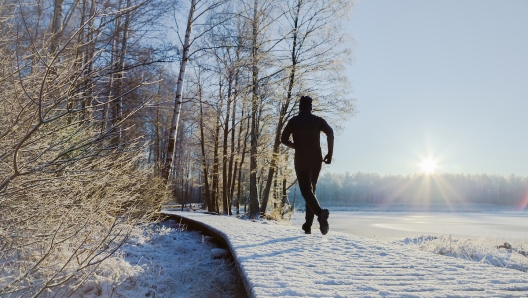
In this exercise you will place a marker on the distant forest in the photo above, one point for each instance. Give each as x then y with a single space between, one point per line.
364 189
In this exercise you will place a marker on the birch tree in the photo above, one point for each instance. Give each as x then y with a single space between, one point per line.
203 7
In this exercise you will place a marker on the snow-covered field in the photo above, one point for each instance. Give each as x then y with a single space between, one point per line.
281 261
165 260
392 226
467 235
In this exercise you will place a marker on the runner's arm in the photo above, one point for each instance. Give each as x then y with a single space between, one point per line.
285 137
329 132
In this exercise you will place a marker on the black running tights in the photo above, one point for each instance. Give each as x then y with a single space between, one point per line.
307 175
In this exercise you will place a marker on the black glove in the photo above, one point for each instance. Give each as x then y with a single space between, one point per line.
328 159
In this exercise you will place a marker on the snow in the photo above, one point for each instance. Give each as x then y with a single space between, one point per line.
473 236
478 249
393 226
276 260
164 260
219 253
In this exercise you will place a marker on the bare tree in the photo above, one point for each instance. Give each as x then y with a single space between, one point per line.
203 7
259 18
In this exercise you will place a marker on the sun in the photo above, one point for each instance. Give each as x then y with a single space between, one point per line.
428 166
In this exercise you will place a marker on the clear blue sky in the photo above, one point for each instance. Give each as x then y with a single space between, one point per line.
446 80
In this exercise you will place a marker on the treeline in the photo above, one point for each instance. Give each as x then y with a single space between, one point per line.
362 189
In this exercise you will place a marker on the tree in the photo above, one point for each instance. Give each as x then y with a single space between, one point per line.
186 54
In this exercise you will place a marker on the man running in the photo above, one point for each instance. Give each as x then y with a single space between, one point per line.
306 129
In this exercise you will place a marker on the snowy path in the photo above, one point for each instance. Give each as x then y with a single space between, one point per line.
281 261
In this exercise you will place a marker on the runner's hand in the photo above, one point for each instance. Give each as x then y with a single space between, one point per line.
328 159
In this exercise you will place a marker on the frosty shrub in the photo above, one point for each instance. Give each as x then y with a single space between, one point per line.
477 249
56 229
72 182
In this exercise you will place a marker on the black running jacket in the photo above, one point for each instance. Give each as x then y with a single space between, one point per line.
306 129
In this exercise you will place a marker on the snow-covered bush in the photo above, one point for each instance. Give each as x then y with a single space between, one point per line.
57 229
478 249
71 185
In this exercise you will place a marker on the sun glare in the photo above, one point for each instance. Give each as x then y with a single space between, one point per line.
428 166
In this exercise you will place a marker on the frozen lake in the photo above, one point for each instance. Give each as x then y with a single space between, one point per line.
390 226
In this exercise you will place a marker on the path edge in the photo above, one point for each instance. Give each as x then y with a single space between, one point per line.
222 237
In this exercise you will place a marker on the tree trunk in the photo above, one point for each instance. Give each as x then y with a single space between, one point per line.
210 206
294 197
225 185
121 39
90 50
253 194
272 168
178 99
283 112
233 172
240 169
157 140
231 175
216 161
56 25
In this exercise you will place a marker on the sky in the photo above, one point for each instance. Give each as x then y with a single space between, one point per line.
441 80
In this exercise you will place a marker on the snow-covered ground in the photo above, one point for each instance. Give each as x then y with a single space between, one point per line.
468 235
165 260
280 261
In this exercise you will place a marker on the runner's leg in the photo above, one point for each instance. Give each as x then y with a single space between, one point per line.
309 217
303 172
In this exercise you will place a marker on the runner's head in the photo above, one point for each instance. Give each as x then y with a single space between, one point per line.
305 104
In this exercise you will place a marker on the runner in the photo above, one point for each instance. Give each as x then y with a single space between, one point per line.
306 128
